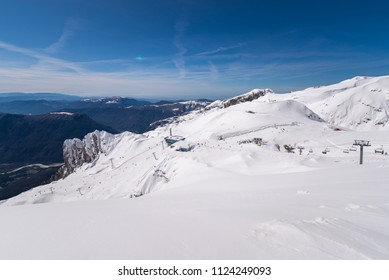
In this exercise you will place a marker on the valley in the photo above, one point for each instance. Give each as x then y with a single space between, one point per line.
18 178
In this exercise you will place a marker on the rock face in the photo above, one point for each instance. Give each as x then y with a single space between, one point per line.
247 97
76 152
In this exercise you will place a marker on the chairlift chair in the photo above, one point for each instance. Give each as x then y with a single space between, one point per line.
379 150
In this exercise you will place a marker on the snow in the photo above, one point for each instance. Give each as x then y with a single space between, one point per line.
263 218
360 103
112 102
226 198
62 113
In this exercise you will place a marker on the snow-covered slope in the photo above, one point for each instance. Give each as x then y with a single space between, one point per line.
128 164
360 103
229 190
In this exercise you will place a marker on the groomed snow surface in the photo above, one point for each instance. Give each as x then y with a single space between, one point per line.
226 197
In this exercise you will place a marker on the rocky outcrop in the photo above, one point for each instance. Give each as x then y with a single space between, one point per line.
76 152
247 97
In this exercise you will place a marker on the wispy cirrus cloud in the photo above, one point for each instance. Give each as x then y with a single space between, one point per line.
69 30
211 74
46 73
43 60
220 49
179 60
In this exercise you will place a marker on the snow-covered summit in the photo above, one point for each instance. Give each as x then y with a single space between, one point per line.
106 100
62 113
360 103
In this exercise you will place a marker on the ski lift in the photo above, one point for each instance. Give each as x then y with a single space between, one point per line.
173 139
346 151
379 150
300 148
352 149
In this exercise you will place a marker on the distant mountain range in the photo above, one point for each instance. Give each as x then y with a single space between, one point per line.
43 103
39 138
40 103
122 114
138 118
17 96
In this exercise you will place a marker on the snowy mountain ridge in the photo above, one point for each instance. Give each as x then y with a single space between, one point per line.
360 103
270 177
259 111
246 97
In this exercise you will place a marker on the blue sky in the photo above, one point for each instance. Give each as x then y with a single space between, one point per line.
188 48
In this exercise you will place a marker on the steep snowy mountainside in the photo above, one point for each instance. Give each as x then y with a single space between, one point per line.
127 164
241 119
228 189
360 103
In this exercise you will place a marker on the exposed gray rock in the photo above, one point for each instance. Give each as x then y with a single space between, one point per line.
247 97
76 152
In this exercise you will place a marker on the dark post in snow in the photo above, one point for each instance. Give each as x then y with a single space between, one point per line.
361 144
